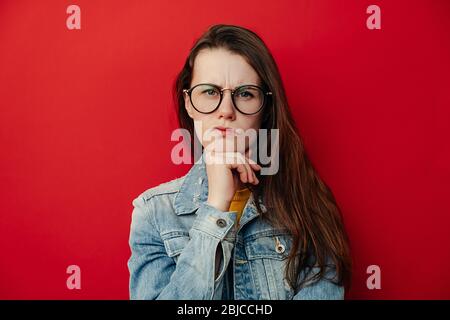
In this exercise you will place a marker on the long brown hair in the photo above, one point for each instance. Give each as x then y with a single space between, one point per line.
296 198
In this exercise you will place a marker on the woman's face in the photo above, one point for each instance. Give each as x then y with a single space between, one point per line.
227 70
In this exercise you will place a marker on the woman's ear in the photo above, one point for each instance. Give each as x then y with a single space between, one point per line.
187 105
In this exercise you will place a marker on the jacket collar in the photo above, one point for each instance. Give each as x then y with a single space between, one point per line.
194 191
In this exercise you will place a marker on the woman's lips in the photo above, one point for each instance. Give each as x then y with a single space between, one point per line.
224 131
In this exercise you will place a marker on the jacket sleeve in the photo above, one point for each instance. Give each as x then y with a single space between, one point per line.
155 275
323 289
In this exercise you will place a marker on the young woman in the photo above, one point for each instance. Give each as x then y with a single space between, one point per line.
225 230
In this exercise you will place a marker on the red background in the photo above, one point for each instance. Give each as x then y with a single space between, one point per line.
86 117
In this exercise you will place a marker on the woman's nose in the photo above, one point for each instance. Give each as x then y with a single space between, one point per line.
226 108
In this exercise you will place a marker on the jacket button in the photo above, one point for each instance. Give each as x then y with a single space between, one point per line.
221 223
280 248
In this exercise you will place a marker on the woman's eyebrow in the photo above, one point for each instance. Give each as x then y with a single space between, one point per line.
236 86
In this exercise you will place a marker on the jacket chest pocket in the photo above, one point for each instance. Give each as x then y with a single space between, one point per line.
267 255
174 243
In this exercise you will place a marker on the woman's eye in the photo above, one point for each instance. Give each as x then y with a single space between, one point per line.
246 94
210 92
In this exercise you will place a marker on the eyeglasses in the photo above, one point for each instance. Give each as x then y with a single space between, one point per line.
247 99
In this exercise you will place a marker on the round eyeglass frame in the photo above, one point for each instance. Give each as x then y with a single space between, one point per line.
221 90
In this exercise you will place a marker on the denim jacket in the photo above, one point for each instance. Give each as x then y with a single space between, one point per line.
174 235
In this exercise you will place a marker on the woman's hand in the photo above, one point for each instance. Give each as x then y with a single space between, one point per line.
225 170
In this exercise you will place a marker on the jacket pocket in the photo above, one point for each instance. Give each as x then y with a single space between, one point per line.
174 243
267 254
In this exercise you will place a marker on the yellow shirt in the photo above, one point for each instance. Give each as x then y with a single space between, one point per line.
239 201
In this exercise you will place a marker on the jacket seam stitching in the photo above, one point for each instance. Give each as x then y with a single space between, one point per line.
150 219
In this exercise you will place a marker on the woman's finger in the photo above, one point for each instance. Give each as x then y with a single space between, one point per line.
242 170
